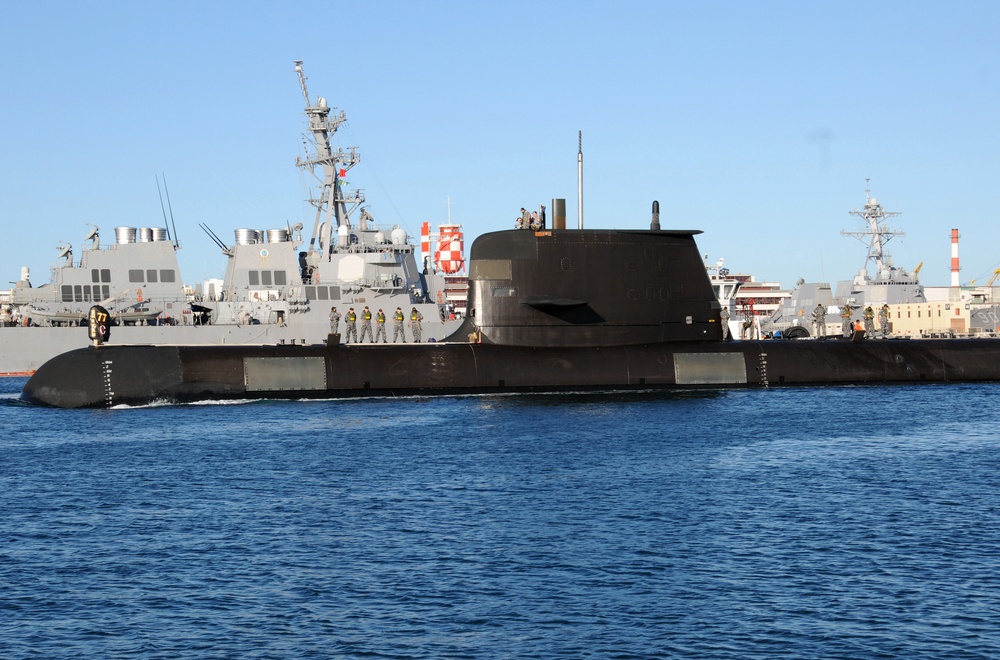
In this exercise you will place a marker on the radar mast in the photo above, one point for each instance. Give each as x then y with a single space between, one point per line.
877 234
331 203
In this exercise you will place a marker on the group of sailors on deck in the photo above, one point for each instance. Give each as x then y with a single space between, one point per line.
528 221
416 325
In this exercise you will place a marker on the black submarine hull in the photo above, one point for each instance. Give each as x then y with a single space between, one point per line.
106 376
559 310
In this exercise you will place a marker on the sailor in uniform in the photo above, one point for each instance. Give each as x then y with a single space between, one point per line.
869 322
334 321
366 324
397 326
819 321
845 318
380 326
352 326
883 320
415 319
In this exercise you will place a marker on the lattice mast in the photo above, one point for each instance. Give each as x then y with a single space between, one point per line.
331 203
878 232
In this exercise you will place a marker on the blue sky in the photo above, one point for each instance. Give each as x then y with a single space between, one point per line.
756 122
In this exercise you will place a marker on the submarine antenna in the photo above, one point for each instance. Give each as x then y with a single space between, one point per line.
654 225
579 183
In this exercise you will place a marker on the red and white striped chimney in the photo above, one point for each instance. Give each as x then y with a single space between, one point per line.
954 258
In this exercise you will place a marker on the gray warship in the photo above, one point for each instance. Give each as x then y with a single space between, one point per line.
276 289
886 284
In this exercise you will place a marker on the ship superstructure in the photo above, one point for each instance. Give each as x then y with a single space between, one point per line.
884 284
277 288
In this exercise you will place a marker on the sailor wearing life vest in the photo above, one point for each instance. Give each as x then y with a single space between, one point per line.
869 322
366 324
415 319
845 318
352 327
380 326
397 325
883 320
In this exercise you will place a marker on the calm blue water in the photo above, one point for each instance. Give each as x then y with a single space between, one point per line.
850 522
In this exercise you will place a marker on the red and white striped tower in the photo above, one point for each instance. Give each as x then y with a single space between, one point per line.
425 240
954 258
449 256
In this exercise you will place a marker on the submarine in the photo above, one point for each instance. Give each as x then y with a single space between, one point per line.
548 310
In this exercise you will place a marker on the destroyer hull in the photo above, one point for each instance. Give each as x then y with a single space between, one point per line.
24 350
106 376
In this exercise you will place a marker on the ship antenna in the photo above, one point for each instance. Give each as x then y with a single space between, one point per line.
163 209
302 80
171 209
212 235
167 225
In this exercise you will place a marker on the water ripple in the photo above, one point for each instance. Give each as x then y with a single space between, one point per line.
744 524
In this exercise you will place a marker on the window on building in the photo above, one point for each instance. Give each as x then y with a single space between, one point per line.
105 275
135 276
253 277
67 293
95 275
280 279
265 277
151 275
168 275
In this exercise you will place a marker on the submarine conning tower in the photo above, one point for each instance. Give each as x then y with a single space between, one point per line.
589 288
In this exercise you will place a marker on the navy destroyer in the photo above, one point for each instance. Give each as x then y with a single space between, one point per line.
278 287
548 310
884 284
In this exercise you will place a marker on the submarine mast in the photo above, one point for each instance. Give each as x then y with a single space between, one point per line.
579 183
